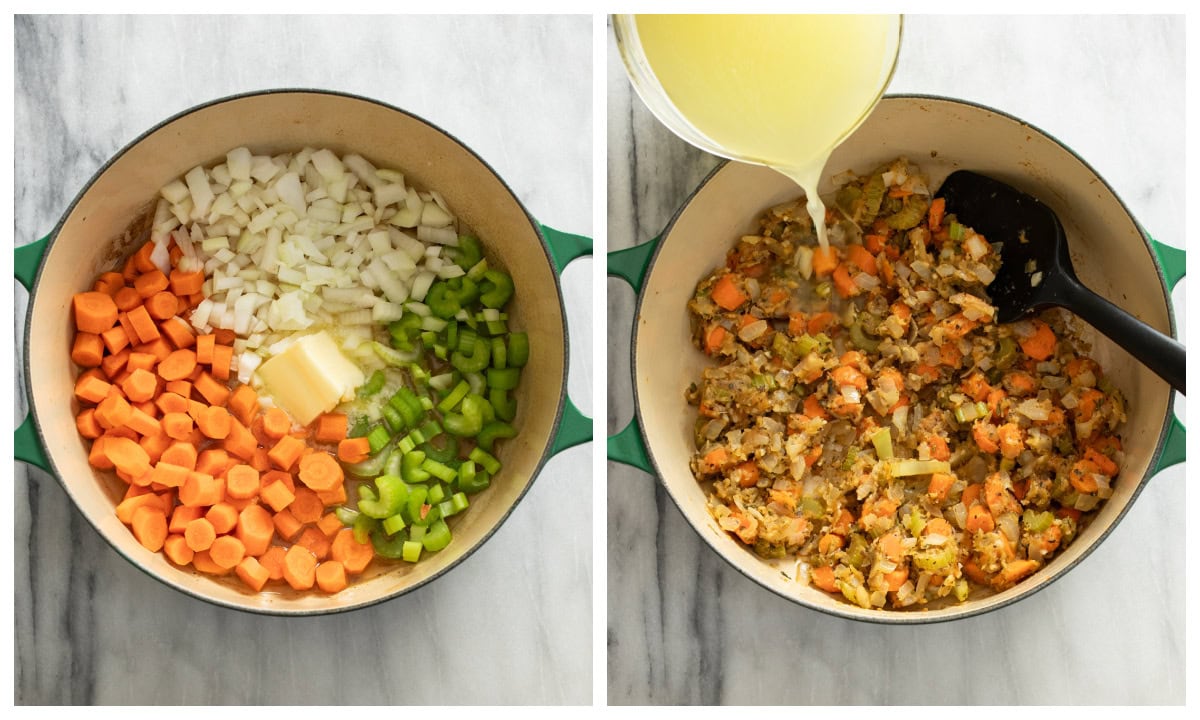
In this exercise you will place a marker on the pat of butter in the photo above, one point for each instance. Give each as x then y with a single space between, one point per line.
310 377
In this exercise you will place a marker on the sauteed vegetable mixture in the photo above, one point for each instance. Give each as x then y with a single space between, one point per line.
307 365
867 415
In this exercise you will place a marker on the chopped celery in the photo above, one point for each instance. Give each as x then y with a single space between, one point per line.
496 289
437 493
378 438
373 384
882 440
393 493
505 379
499 353
393 524
456 395
493 430
518 349
410 468
411 551
905 468
441 471
489 463
438 536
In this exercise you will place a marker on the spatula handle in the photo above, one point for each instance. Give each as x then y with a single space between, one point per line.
1161 353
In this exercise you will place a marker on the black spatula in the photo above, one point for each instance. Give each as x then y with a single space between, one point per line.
1034 242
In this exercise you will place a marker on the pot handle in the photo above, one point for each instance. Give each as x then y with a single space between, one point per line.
574 427
26 445
1173 262
627 446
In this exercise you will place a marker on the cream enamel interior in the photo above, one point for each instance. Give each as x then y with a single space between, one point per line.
89 242
1109 253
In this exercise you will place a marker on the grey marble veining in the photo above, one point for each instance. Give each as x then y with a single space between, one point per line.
512 624
684 627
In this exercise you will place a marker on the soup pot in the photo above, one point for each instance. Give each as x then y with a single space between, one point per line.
1111 252
91 238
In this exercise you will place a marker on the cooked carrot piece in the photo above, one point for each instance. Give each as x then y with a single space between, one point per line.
212 461
214 392
177 551
200 534
860 256
177 425
168 474
307 505
329 524
178 365
151 283
141 258
126 299
255 528
299 568
354 450
222 361
272 560
978 518
143 324
178 332
260 460
355 556
336 496
155 444
276 423
90 388
170 402
277 495
214 422
161 305
87 350
150 527
127 456
98 455
113 412
316 542
201 489
140 422
225 336
112 364
939 486
86 424
181 515
140 361
241 482
128 506
223 516
823 578
203 562
252 573
140 386
286 452
204 348
320 471
186 283
243 403
331 576
240 441
158 347
331 428
95 312
113 281
182 388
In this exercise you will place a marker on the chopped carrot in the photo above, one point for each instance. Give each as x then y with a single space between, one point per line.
177 425
286 525
204 348
813 408
747 474
87 350
846 375
1104 464
113 412
141 385
277 495
151 283
223 516
178 365
203 562
178 332
170 402
331 576
844 283
860 256
240 442
140 361
86 424
307 506
287 451
315 541
299 568
200 534
241 482
355 556
331 428
227 551
1011 440
243 403
255 529
90 388
168 474
874 243
354 450
141 422
222 361
161 306
1081 477
224 336
159 348
149 526
126 299
212 461
329 524
127 456
895 579
260 460
252 573
276 423
939 486
114 363
214 392
715 459
128 506
143 324
272 560
937 210
215 422
957 326
1089 399
979 519
971 493
181 515
177 551
937 526
824 579
186 283
271 476
201 489
821 321
95 312
984 435
1041 344
727 294
318 470
824 260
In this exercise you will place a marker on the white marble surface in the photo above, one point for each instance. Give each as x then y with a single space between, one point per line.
512 624
683 627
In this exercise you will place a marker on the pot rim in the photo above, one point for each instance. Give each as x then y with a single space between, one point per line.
277 611
910 617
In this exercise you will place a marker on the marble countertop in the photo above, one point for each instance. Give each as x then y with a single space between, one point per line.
685 628
511 624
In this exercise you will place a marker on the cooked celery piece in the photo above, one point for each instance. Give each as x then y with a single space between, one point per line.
504 405
411 551
518 349
393 524
373 384
476 361
904 468
392 494
410 468
487 460
346 515
506 379
438 536
496 289
378 438
882 440
362 527
391 548
469 252
444 454
499 353
441 471
472 480
455 396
